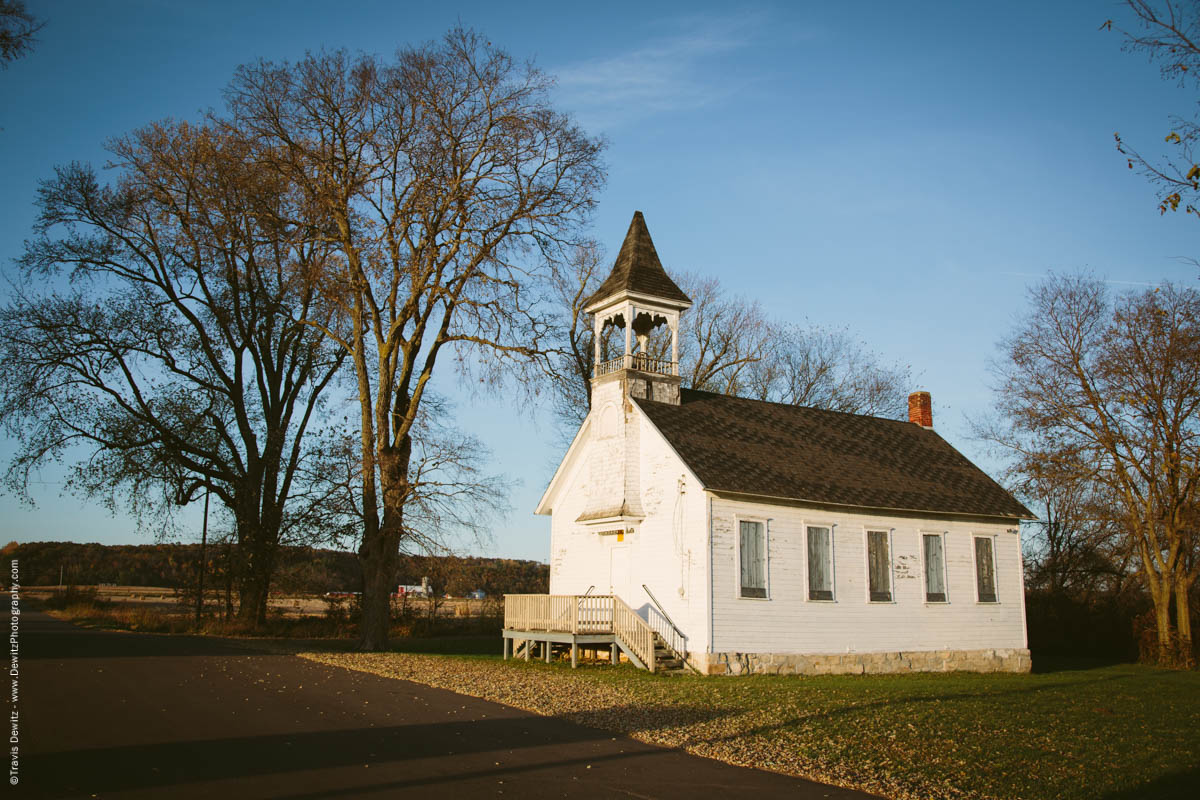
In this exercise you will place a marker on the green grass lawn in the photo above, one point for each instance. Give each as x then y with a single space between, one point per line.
1071 731
1120 731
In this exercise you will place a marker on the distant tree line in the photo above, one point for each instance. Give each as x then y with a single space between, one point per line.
300 570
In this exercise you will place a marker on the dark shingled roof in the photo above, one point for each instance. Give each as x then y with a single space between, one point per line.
773 450
638 268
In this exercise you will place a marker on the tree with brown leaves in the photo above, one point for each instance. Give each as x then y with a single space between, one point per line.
1168 32
441 177
1106 391
161 339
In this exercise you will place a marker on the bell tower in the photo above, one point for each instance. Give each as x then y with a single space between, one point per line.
638 296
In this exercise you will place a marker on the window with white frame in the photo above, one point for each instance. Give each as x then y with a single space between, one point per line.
985 569
820 563
935 568
752 554
879 567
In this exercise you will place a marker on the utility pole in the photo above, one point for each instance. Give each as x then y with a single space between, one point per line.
228 577
203 542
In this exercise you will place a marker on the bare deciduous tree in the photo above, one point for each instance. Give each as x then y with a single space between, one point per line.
1076 548
1108 391
1168 32
573 280
179 359
451 496
813 366
17 29
440 177
721 337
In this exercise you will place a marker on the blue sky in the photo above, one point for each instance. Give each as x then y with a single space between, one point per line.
905 170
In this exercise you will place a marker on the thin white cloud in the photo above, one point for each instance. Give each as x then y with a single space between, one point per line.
664 73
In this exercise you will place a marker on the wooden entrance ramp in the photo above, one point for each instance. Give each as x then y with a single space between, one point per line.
596 621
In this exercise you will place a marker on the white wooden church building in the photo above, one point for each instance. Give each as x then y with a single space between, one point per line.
744 536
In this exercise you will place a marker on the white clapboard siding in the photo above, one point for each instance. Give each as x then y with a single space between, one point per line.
788 622
667 552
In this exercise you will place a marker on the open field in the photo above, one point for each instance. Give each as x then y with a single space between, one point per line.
1073 731
151 610
167 600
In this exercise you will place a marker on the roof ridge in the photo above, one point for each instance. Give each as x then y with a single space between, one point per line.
797 405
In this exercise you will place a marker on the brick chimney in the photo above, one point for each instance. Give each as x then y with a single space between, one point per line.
920 409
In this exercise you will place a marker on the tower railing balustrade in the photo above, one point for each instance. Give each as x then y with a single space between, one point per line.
639 361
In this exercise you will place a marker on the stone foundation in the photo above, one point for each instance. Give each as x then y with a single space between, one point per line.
997 660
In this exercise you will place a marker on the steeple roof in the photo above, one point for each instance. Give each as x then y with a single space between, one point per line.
638 269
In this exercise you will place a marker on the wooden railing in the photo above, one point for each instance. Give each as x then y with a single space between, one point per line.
638 361
593 613
662 624
559 613
647 363
577 613
612 365
633 632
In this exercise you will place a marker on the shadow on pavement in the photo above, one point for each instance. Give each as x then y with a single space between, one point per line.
114 769
44 637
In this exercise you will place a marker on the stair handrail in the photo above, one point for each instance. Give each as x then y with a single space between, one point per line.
661 610
634 632
677 641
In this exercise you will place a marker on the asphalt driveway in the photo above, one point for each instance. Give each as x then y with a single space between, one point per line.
145 716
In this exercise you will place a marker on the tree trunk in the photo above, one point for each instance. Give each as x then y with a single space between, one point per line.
379 553
379 572
229 580
1161 595
252 600
254 581
1183 624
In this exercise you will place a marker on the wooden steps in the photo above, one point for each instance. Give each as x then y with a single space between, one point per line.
666 660
544 623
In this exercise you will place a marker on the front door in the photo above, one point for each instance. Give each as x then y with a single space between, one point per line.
618 572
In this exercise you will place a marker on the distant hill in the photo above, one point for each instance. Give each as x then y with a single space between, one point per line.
301 570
